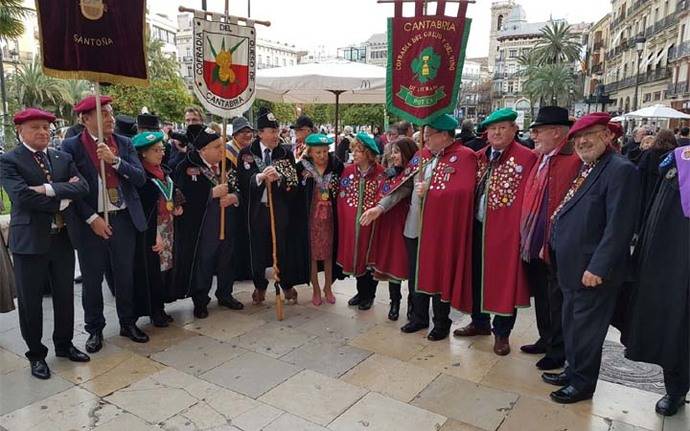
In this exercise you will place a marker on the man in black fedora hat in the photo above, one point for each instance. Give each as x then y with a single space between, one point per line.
148 123
547 184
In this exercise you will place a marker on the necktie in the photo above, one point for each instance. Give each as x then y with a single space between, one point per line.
44 164
495 155
216 172
267 157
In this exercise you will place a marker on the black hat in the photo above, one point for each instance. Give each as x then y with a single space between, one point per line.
125 126
552 116
266 119
148 122
303 121
193 131
205 137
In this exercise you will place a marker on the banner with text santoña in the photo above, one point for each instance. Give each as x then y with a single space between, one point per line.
426 54
94 40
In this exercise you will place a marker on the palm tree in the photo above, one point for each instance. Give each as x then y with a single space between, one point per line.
552 82
557 45
33 88
75 90
12 15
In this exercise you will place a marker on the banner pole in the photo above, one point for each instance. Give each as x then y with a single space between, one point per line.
99 117
223 165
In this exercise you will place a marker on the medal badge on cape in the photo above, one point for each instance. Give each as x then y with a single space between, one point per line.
224 66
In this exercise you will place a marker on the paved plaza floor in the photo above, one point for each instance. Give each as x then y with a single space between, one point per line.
322 368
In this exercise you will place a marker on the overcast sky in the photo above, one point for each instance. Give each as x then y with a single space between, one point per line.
340 23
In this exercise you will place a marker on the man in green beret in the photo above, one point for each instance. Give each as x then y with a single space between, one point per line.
499 284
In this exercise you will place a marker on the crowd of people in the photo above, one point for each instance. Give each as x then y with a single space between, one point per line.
596 232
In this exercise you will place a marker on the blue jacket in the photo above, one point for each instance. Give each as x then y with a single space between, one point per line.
32 212
130 172
594 230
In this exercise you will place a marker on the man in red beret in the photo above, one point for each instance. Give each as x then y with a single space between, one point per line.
41 183
592 230
99 244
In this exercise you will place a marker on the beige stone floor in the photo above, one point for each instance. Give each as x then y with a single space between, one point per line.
322 368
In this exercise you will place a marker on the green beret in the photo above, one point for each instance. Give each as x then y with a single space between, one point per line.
368 142
318 140
444 123
146 139
505 114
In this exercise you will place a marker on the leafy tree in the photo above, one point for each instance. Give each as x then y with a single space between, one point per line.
32 87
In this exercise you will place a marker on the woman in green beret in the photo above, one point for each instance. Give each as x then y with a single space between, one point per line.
161 202
359 185
319 174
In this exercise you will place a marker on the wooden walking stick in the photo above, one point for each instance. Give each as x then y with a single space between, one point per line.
280 312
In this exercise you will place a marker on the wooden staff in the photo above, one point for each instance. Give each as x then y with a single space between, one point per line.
99 118
223 167
280 313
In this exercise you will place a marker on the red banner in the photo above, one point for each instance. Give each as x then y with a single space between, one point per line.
97 40
426 54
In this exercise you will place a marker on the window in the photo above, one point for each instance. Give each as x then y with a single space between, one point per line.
284 62
499 22
657 96
513 53
189 71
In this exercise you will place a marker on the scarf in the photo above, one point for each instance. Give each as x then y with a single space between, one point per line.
533 202
164 185
112 181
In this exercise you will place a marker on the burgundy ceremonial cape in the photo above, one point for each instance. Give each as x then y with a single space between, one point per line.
444 254
504 283
357 194
388 253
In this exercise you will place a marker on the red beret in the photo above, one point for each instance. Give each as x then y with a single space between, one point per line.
595 119
89 104
32 114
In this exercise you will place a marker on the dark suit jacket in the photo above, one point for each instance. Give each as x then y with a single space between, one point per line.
593 231
130 173
32 212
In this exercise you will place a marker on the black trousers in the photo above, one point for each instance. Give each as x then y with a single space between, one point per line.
677 381
420 301
215 258
587 313
261 249
366 286
32 272
94 255
502 325
548 305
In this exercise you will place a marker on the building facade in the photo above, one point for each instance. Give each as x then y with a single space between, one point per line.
642 35
678 92
515 39
596 65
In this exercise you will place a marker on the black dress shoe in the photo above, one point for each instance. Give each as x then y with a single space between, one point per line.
94 343
569 395
200 311
168 317
556 379
437 334
547 363
133 333
39 369
73 354
365 304
534 349
159 320
669 405
355 300
231 303
411 327
394 311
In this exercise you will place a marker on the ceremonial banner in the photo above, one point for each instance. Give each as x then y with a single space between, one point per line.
426 54
96 40
224 66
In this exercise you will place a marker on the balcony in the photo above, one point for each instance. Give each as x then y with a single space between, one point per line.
680 51
645 78
661 25
500 75
597 68
598 45
678 89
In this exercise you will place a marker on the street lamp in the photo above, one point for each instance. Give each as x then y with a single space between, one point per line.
639 46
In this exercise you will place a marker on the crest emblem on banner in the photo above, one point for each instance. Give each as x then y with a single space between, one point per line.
224 66
92 9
